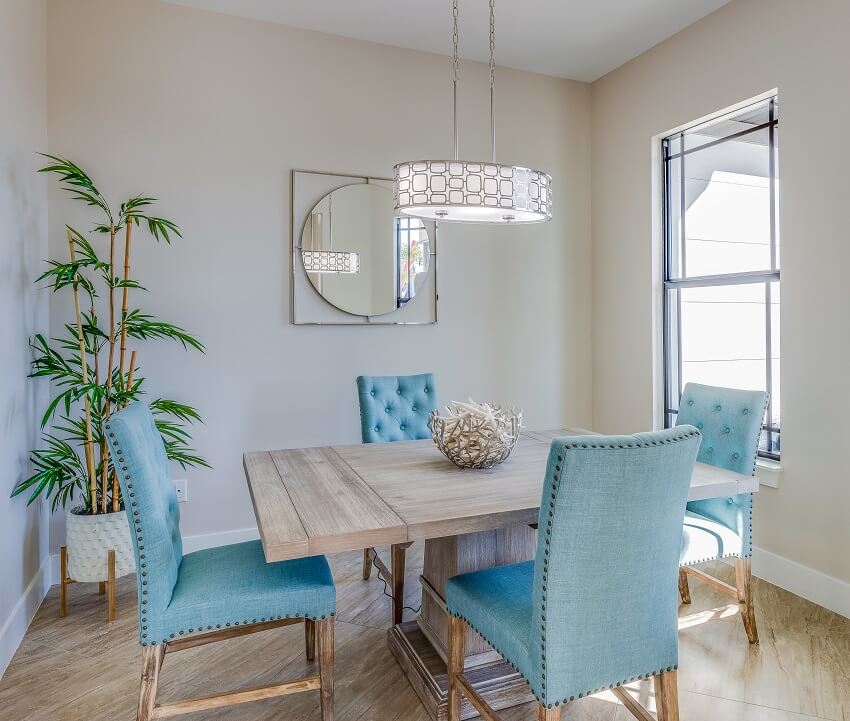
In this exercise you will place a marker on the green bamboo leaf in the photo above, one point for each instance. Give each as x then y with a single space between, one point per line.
179 410
143 326
76 182
51 407
129 283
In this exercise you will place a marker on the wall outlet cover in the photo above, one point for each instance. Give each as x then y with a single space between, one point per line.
181 488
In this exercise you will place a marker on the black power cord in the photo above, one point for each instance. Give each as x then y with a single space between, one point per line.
383 580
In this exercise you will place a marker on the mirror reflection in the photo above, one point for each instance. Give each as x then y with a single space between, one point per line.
359 256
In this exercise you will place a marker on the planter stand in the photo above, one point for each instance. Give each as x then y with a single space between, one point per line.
107 587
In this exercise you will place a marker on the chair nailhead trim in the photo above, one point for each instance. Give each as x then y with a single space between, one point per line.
566 699
541 694
143 620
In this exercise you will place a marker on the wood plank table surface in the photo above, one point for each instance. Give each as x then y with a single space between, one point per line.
337 498
310 501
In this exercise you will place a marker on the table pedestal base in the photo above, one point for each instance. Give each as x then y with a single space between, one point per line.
421 646
499 685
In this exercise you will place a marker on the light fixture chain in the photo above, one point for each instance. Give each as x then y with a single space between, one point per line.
492 80
455 74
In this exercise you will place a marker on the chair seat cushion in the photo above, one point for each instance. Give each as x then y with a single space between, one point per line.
234 586
497 603
706 540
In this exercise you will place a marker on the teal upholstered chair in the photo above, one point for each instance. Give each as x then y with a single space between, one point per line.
597 607
730 422
187 600
394 408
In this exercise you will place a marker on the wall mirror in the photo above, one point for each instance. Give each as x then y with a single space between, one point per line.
362 259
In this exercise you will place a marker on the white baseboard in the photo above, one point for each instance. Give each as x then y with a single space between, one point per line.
190 543
15 626
817 587
211 540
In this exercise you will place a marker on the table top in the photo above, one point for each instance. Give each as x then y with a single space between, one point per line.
339 498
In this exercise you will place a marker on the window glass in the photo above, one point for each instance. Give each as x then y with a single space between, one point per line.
721 287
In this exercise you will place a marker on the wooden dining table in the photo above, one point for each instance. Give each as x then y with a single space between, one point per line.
330 499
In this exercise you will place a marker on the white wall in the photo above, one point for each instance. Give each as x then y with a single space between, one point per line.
744 49
23 308
206 112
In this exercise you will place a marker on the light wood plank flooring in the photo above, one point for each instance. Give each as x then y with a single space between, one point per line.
80 669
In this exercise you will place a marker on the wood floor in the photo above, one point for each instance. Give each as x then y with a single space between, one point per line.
80 669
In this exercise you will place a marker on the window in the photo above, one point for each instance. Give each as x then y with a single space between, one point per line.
721 260
412 247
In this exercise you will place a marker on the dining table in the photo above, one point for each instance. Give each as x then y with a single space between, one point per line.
331 499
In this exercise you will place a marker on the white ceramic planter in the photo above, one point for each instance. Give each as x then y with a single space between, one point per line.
89 539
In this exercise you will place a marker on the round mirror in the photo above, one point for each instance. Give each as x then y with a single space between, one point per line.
359 256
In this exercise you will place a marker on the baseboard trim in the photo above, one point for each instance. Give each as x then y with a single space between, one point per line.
190 543
212 540
16 624
815 586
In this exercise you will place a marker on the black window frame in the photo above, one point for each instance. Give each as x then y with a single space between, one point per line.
404 227
673 382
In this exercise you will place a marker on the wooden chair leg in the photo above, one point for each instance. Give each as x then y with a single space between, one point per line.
744 585
310 638
456 652
325 634
667 696
63 583
101 588
367 563
151 663
684 589
110 585
548 714
399 554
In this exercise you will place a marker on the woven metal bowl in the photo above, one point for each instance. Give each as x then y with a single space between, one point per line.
470 441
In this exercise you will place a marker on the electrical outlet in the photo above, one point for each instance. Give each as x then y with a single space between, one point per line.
181 488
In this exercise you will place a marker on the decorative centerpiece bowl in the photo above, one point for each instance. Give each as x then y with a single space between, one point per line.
476 435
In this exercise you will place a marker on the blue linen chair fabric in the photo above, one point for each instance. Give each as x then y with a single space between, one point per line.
394 408
191 599
597 607
730 421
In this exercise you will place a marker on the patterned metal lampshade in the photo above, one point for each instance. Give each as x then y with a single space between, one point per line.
472 192
465 191
330 261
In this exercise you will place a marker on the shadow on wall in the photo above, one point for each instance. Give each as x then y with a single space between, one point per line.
23 312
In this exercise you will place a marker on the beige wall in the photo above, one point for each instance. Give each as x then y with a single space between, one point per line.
23 308
206 112
210 123
746 48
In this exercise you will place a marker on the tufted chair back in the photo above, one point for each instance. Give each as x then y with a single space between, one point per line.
605 574
396 408
151 503
730 422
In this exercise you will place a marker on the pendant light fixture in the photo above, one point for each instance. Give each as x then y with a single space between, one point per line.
465 191
330 261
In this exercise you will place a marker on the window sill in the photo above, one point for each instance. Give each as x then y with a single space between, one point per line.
768 472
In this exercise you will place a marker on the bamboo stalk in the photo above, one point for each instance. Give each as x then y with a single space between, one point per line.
104 468
96 360
97 376
111 306
130 373
104 449
129 384
89 449
122 355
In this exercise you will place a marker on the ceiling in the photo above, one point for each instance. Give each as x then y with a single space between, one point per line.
578 39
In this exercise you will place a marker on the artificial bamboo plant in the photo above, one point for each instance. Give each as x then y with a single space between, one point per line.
91 372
